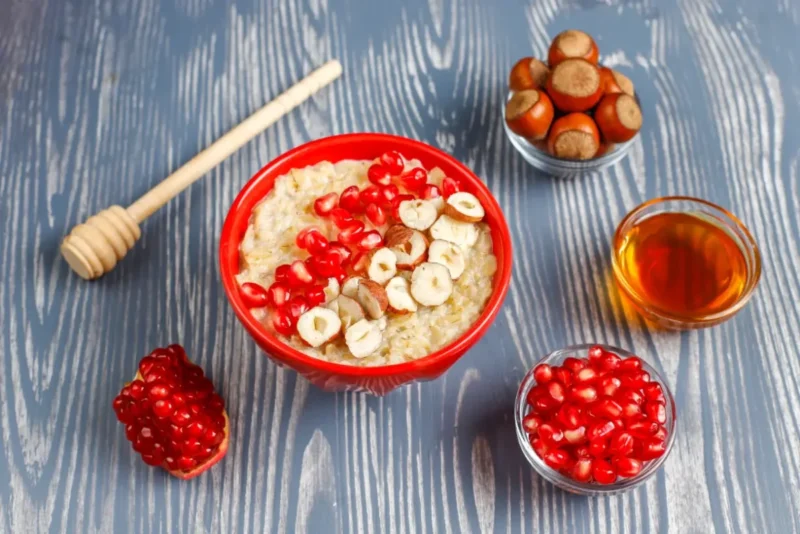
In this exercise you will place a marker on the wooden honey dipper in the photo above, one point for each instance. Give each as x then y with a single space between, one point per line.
94 247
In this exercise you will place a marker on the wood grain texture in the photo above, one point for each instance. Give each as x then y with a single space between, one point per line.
100 99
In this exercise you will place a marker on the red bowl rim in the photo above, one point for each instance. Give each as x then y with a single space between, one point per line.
265 339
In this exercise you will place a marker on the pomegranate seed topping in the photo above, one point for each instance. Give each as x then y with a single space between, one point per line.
630 364
370 195
630 395
282 273
351 234
609 385
627 467
342 251
582 470
396 204
600 430
621 443
324 204
430 191
393 162
415 179
315 296
556 391
388 194
606 409
450 186
326 265
582 451
376 215
360 261
316 243
583 394
341 217
570 416
585 375
557 459
573 364
650 449
283 322
630 409
545 403
370 240
301 238
350 200
299 275
278 294
155 428
531 423
635 379
340 276
575 435
655 411
539 446
598 448
603 472
297 306
253 295
379 175
562 375
542 373
596 355
642 429
551 435
653 392
661 434
609 361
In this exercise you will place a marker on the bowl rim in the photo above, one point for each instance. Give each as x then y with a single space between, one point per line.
275 346
588 488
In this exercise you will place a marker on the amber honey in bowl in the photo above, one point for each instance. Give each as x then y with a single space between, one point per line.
685 262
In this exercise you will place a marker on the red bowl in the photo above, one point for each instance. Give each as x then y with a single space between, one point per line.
339 377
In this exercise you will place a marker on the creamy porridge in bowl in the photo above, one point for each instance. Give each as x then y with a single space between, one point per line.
367 262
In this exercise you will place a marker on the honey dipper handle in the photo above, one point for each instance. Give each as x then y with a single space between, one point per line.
226 145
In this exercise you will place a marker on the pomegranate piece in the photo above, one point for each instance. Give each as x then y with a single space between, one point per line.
542 373
302 237
299 275
573 364
350 200
582 470
626 467
415 179
609 385
387 195
283 322
531 423
621 444
606 409
556 391
341 217
315 296
630 395
450 186
370 240
570 416
539 446
393 162
545 403
430 191
253 295
351 234
552 435
575 436
600 430
376 215
172 416
652 391
635 379
630 364
586 375
583 394
655 411
342 251
603 472
556 458
316 243
630 409
326 265
297 306
324 204
562 375
278 294
282 273
379 175
642 429
598 448
650 449
609 361
370 195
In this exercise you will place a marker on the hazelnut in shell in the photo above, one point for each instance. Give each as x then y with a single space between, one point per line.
529 114
574 136
618 117
572 44
528 73
574 85
615 82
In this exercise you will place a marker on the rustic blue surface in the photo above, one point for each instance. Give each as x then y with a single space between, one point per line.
99 100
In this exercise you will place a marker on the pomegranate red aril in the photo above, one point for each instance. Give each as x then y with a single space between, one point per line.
253 295
630 409
595 355
582 470
302 236
370 240
642 429
583 394
652 391
299 275
316 243
539 446
376 215
388 194
630 395
609 385
341 217
582 451
627 467
603 472
621 443
556 391
351 234
430 191
632 363
661 434
393 162
326 265
635 380
575 436
370 195
282 273
606 409
340 250
655 411
545 403
609 361
450 186
598 448
531 423
650 449
278 294
552 435
315 296
415 179
542 373
569 416
585 376
600 430
573 364
556 458
379 175
283 322
324 204
350 200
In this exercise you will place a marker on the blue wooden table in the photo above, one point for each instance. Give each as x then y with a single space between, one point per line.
99 100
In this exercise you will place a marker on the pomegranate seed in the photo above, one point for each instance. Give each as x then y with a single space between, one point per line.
253 295
606 409
585 375
341 217
545 403
562 375
630 395
370 195
651 448
621 443
360 262
379 175
582 470
340 276
598 448
531 423
575 435
326 265
596 355
642 429
302 236
634 379
655 411
583 394
573 364
350 200
600 430
661 434
388 194
551 435
627 467
376 215
282 273
393 162
556 391
342 251
630 409
609 385
370 240
415 179
430 191
316 243
315 296
603 472
283 322
299 274
542 373
351 234
539 446
569 416
653 392
630 364
450 186
609 362
324 204
297 306
556 458
582 451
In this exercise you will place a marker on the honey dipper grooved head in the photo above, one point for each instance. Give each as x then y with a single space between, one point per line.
94 247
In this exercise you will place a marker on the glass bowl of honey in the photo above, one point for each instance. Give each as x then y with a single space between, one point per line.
684 262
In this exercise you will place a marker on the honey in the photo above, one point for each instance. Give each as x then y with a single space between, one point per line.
686 265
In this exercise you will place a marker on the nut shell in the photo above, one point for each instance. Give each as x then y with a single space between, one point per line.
574 85
529 113
618 117
572 44
615 82
574 136
528 73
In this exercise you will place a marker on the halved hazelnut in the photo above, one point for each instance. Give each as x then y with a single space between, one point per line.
615 82
397 235
350 286
529 114
348 309
399 296
572 44
363 338
465 207
418 214
618 117
318 325
574 85
528 73
412 252
431 284
574 136
373 298
382 265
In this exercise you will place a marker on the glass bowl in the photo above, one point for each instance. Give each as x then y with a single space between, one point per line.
712 213
521 408
564 168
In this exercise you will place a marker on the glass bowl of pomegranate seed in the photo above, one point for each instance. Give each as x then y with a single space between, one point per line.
594 419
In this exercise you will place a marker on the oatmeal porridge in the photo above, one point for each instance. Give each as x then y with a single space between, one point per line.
367 263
